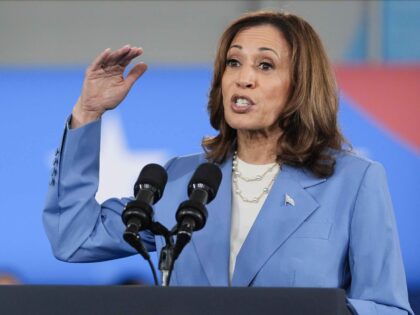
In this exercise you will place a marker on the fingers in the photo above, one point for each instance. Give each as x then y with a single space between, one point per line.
117 55
122 56
135 73
133 53
99 60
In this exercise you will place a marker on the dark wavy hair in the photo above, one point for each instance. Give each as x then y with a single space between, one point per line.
310 133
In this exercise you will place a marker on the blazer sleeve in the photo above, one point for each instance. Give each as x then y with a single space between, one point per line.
378 282
78 227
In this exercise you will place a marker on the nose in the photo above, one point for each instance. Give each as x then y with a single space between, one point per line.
246 78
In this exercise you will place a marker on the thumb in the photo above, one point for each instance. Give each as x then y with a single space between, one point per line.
135 73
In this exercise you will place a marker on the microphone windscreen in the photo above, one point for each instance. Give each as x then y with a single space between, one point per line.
208 174
155 176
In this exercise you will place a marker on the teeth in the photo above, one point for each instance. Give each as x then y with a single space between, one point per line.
242 102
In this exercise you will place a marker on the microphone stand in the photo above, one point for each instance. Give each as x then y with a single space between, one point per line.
168 255
166 264
166 259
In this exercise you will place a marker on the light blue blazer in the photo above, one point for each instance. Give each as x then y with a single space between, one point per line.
340 233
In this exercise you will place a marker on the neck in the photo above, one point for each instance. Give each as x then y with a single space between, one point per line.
257 147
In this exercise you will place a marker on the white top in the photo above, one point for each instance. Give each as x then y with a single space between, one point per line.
245 213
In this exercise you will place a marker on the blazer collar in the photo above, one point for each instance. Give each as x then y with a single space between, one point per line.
272 227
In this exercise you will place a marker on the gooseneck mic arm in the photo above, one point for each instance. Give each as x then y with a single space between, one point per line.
137 216
138 213
192 214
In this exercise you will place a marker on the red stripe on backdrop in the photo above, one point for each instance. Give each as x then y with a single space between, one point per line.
389 94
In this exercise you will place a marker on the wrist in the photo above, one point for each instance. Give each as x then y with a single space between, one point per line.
80 117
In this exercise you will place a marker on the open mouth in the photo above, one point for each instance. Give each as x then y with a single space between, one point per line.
241 100
241 103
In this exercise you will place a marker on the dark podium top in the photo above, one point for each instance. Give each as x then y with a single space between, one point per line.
127 300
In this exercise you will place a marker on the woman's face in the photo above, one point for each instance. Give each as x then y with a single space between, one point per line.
256 81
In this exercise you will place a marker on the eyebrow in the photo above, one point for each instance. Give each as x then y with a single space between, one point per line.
260 49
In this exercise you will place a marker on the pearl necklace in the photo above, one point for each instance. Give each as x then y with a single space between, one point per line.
237 175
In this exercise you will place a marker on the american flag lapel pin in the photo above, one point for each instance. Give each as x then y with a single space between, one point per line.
289 200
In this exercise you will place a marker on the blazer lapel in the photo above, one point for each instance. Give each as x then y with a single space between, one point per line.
212 243
276 221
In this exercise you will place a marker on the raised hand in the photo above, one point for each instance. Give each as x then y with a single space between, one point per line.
104 86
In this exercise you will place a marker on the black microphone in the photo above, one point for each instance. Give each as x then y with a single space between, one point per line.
192 214
138 213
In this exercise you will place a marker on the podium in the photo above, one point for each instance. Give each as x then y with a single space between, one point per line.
137 300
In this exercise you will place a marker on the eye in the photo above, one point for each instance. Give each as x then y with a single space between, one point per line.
232 63
265 66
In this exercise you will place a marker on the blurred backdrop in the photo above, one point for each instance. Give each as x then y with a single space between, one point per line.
46 45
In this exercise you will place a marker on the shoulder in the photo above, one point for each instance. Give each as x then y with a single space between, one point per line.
352 170
352 163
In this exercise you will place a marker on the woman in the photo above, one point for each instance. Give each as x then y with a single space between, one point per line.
297 209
